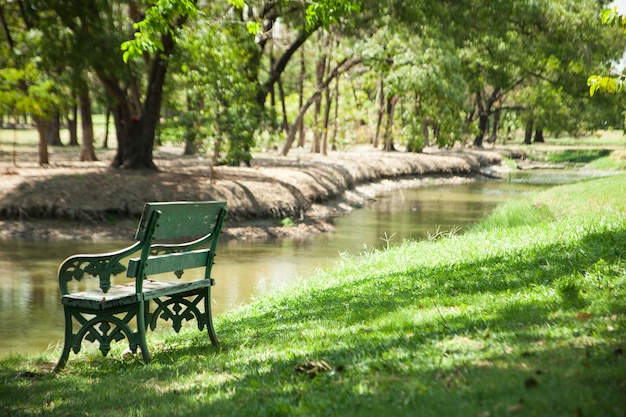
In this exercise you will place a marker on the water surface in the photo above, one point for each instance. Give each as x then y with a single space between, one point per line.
31 315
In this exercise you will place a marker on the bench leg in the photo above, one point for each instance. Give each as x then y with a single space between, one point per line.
209 317
141 331
67 344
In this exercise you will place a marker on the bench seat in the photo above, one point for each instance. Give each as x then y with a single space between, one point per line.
120 295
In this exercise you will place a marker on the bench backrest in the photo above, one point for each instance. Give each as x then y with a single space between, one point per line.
170 237
176 236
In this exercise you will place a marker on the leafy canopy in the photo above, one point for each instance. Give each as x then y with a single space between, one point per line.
602 83
159 18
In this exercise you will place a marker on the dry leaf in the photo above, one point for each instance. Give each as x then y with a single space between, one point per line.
516 408
582 316
313 367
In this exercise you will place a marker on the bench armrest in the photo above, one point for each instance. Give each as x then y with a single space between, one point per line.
99 265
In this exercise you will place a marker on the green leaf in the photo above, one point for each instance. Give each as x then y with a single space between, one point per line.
254 27
604 84
609 16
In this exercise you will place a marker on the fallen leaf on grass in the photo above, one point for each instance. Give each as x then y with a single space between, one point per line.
515 408
314 367
582 316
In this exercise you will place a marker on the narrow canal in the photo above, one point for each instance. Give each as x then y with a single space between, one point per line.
31 316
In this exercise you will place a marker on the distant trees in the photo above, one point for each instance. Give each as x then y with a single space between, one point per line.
230 75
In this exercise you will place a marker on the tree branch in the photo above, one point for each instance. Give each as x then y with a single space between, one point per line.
342 67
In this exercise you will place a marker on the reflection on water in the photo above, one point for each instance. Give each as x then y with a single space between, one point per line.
31 316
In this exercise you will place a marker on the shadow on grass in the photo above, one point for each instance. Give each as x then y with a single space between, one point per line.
487 346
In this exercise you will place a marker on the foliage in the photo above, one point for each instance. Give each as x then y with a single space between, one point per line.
603 83
329 11
455 69
156 22
216 78
26 90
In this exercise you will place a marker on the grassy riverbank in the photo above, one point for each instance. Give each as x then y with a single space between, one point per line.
524 315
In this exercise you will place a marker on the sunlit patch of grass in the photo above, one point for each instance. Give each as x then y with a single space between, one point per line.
517 213
600 138
615 161
578 155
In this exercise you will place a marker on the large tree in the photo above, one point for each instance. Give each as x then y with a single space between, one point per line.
91 34
507 46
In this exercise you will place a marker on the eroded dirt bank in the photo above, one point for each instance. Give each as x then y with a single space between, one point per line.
71 200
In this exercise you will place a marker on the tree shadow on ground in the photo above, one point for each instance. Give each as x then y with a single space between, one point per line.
381 364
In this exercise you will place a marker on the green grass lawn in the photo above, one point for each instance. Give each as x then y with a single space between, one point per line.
525 314
26 139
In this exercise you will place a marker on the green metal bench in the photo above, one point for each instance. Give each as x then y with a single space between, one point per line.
171 238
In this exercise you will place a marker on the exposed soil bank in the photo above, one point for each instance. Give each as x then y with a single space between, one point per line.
73 200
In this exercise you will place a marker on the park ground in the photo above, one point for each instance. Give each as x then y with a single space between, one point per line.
276 197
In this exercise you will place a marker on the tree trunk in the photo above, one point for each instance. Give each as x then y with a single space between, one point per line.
333 138
380 105
190 126
87 152
54 129
436 131
136 132
496 125
42 128
483 125
283 106
390 110
135 144
281 63
320 71
484 112
300 125
539 135
329 104
528 134
72 122
107 119
341 67
272 88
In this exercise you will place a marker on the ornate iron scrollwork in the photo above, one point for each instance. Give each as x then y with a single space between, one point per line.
104 330
102 268
177 309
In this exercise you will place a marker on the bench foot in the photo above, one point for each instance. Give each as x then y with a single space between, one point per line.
209 318
104 328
